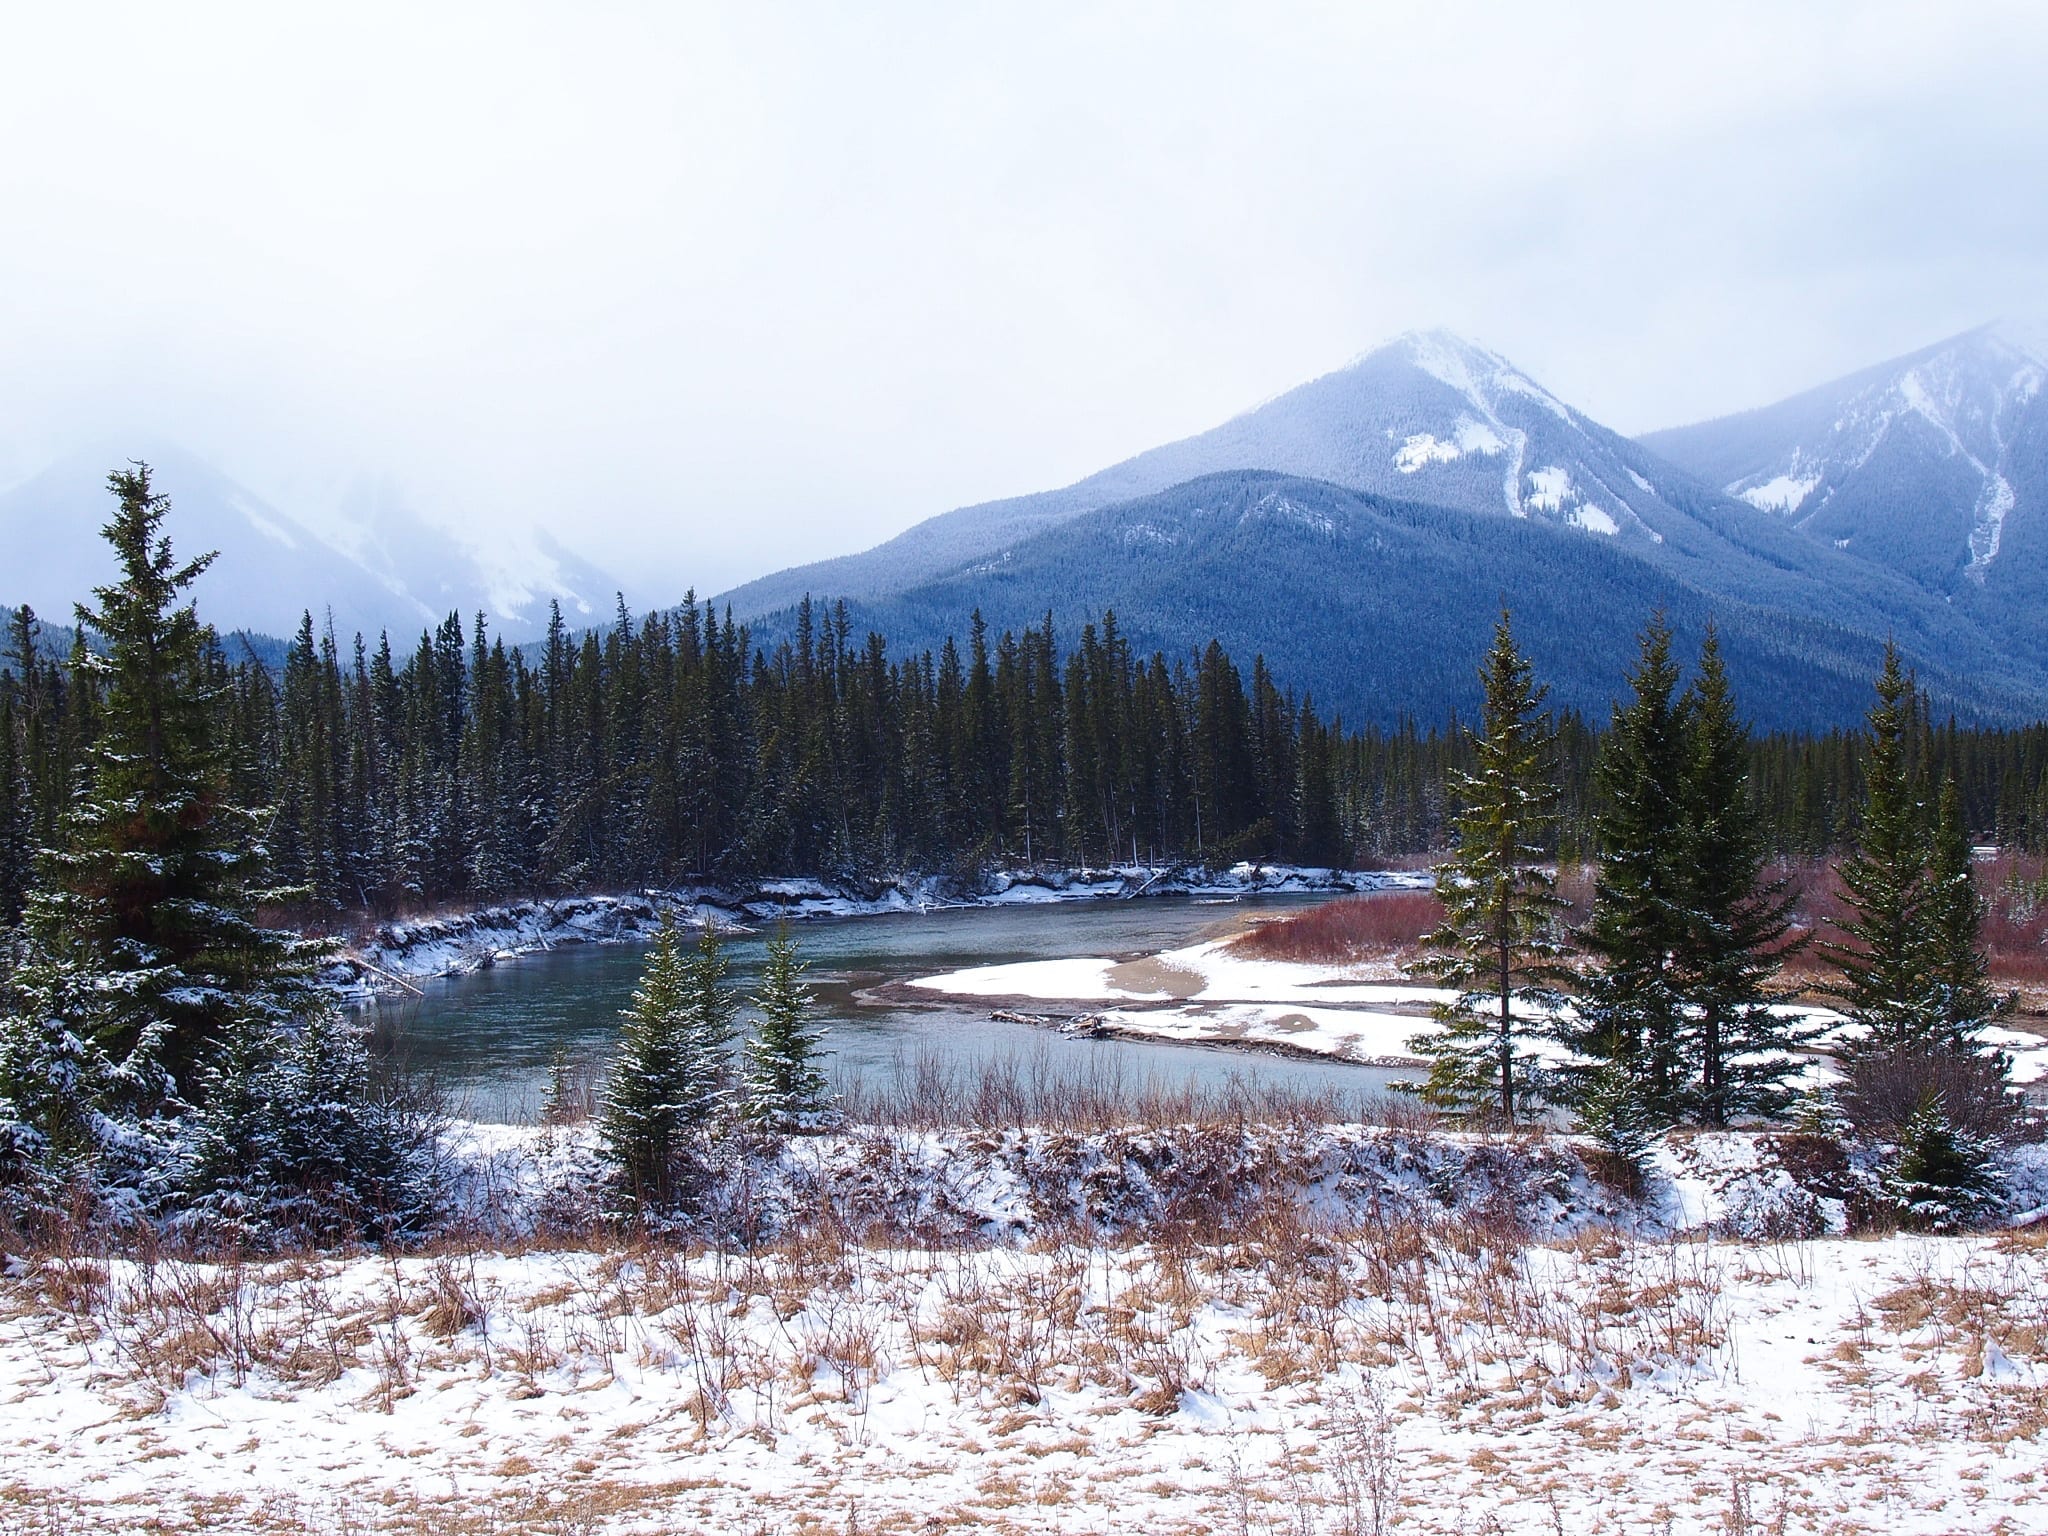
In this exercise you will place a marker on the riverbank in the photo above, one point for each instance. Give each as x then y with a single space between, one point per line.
393 957
1022 1332
1214 994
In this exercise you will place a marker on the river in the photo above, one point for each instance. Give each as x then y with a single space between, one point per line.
490 1038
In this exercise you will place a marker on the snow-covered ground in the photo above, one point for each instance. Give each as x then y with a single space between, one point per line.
1209 993
399 953
1311 1367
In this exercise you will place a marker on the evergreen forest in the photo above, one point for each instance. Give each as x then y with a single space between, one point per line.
393 776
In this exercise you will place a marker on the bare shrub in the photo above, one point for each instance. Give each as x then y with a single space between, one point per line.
1883 1093
1090 1094
1350 928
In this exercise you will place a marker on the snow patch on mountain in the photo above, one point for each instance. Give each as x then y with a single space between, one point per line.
1550 488
1993 507
1423 448
1784 493
1477 374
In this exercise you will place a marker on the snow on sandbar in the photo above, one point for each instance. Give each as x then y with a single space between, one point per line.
1348 1034
1206 973
1080 980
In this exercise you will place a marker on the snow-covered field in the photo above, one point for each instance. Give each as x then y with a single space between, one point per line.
1401 1358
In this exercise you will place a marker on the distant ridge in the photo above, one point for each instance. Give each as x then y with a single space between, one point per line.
1433 420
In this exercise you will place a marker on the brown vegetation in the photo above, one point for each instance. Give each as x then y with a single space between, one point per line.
1345 931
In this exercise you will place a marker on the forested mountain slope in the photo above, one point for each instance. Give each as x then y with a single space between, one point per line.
1381 608
1432 419
1428 417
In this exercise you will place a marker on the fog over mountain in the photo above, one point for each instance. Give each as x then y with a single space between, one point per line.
377 566
716 289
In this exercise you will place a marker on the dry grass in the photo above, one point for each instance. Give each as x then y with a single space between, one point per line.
1376 1330
1091 1094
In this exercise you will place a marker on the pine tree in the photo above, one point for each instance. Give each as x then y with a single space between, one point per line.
1634 1013
671 1080
55 1079
16 851
1495 946
649 1105
1736 919
1941 1176
1884 950
786 1089
1962 1000
154 889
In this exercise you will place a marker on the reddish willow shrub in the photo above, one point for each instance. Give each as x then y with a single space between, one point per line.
1349 928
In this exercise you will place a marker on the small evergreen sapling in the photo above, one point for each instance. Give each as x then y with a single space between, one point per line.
1942 1176
1613 1112
671 1081
786 1089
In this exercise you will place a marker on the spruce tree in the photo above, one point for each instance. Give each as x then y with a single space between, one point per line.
154 889
1495 946
1941 1176
786 1089
1736 918
1634 1009
1883 951
649 1105
671 1080
1962 1000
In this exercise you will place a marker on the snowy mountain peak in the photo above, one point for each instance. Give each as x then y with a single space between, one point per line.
1922 463
2024 334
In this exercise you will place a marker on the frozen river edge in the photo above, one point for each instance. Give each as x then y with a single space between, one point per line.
393 957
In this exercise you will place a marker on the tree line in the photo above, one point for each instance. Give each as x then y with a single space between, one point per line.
1662 1008
675 747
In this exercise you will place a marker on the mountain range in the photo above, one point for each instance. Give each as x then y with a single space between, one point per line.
380 566
1406 496
1361 532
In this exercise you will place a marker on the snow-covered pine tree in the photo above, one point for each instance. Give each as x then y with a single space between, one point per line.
1633 1014
1736 918
1942 1176
154 888
1610 1107
1495 946
296 1135
54 1078
1883 950
645 1118
786 1089
671 1081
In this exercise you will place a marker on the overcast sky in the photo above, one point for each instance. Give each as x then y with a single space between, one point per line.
718 289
